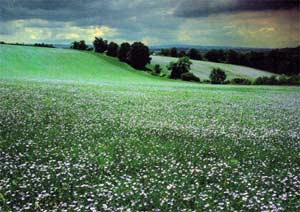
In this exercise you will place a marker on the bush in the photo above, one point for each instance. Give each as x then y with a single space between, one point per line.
139 56
183 65
189 76
157 69
217 76
206 81
240 81
294 80
289 80
267 81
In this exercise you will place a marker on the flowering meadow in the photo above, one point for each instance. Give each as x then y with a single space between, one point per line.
152 147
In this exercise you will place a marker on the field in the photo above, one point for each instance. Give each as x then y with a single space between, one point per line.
73 137
202 69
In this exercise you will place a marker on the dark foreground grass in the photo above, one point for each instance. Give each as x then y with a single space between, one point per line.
148 148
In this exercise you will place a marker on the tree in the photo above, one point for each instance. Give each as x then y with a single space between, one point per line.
74 45
112 49
194 54
182 54
232 57
215 56
165 52
173 52
217 76
100 45
123 52
183 65
79 45
139 55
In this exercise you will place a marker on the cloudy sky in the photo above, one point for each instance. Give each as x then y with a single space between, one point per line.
249 23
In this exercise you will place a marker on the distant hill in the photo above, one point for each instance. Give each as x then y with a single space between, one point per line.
202 69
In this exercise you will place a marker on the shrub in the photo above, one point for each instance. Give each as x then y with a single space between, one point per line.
139 55
189 76
283 80
157 69
266 81
240 81
183 65
112 49
294 80
206 81
217 76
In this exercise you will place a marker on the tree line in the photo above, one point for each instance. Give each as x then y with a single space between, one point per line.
35 45
137 54
279 61
181 70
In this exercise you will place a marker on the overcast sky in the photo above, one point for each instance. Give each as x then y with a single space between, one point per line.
249 23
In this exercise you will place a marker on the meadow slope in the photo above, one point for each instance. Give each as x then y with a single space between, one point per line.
202 69
103 137
32 63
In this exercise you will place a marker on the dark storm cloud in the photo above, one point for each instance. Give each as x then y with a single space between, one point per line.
58 10
85 12
200 8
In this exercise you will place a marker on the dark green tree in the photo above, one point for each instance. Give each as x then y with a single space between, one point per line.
215 56
79 45
194 54
139 55
100 45
165 52
232 57
173 52
123 52
217 76
112 49
183 65
181 54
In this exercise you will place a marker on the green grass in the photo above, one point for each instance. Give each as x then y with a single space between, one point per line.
32 63
83 143
202 69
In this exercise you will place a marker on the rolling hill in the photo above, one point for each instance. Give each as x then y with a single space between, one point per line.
202 69
40 64
33 63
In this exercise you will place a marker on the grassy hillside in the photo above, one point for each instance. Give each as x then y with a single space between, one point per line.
19 62
202 69
114 139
